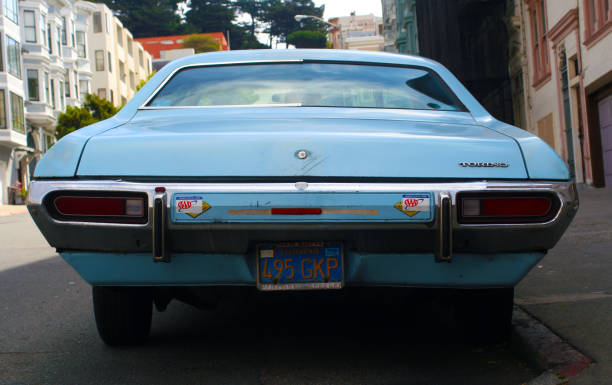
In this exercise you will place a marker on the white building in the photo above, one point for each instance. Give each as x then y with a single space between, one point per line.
358 32
561 71
118 62
56 66
12 123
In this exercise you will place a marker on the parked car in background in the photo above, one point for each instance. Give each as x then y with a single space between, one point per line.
300 170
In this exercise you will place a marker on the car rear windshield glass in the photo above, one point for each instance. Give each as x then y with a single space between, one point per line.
307 84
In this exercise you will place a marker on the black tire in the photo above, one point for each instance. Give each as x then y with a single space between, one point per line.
123 314
485 315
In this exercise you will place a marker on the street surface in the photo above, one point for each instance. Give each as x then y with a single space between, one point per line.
570 290
48 336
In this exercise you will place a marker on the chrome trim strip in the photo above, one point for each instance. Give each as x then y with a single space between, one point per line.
222 106
218 64
444 242
159 224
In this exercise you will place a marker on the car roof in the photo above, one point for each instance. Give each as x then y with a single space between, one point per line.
271 55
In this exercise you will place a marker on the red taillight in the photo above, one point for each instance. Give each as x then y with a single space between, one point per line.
506 209
112 208
296 211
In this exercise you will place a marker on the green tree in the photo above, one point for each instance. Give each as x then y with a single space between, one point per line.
100 108
94 110
201 43
145 18
307 39
144 81
72 119
241 38
255 9
280 16
210 15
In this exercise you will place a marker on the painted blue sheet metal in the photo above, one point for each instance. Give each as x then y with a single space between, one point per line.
420 270
222 202
63 158
185 143
541 160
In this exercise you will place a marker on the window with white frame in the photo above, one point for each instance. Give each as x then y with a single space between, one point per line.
64 31
11 10
83 90
73 33
81 48
52 88
122 71
132 80
29 26
43 29
110 62
47 88
97 22
107 23
119 36
129 46
58 39
61 95
67 84
17 120
140 58
33 90
2 110
13 57
102 93
49 44
76 84
99 60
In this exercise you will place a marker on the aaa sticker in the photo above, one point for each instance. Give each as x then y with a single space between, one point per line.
192 206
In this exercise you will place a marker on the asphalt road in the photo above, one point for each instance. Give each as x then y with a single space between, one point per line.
48 335
570 290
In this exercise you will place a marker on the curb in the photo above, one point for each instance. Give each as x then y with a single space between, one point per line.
558 360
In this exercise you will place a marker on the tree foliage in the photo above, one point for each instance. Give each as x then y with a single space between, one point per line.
144 81
201 43
210 15
146 18
307 39
93 110
280 17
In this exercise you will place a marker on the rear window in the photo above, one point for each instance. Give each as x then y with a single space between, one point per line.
307 84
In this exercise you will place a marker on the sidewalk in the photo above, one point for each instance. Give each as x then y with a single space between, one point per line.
570 290
6 210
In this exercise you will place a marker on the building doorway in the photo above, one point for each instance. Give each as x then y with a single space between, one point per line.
604 109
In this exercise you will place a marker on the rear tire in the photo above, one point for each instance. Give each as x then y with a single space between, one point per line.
486 314
123 314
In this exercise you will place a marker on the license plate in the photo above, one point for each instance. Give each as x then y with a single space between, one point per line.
300 266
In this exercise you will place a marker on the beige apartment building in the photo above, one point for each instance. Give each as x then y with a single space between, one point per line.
357 32
561 71
118 62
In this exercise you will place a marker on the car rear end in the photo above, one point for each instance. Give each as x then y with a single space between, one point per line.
337 176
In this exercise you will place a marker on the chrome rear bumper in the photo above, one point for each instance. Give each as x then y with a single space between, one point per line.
362 237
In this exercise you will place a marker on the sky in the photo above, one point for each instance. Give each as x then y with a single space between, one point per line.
334 8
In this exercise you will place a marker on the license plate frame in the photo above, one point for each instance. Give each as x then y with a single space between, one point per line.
323 258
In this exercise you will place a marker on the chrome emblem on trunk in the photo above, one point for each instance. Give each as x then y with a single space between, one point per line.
483 164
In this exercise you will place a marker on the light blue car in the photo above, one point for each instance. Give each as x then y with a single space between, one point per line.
300 170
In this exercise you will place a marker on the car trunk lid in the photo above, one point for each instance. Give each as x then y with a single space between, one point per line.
302 143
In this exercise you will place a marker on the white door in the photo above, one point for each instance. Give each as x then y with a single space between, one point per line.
605 124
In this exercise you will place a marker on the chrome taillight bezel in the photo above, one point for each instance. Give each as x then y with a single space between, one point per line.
51 199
